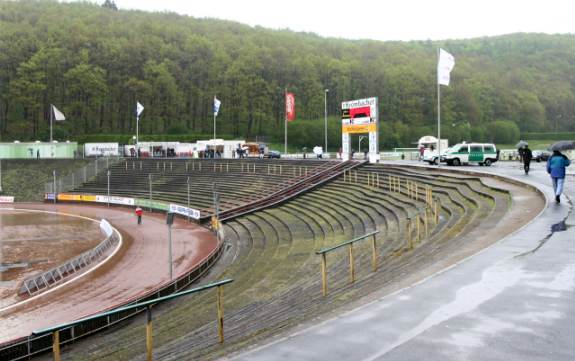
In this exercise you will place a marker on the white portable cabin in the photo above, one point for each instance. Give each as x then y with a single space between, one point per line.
226 147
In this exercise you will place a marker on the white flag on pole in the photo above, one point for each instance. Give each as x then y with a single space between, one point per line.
216 106
139 109
58 115
444 67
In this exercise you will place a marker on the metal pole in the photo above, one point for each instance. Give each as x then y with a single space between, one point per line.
150 179
55 190
438 117
51 121
220 305
137 134
108 188
374 255
170 251
188 183
149 336
215 126
325 116
351 267
323 275
56 345
285 122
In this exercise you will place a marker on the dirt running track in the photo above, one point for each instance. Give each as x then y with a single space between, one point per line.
139 266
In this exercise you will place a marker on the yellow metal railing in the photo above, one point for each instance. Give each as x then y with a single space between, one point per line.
148 306
324 251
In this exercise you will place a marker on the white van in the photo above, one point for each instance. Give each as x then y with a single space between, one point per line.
465 153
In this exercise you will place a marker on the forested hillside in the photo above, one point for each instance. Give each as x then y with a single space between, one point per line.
93 63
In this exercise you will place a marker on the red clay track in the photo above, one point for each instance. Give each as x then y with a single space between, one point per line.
140 266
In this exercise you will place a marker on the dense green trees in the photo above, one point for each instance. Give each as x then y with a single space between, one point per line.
95 62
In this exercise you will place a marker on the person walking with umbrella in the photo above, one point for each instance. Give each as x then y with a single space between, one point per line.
527 156
556 168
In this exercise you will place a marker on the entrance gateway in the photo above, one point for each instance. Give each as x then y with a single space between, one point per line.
360 117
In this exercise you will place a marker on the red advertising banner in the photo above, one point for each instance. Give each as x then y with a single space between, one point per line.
290 106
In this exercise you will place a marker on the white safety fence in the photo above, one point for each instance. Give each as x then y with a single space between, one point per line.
43 281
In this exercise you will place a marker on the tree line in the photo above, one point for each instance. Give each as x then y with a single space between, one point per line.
95 62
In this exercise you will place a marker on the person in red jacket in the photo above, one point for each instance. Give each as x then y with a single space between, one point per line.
139 214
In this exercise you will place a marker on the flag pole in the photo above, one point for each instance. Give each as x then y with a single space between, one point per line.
438 116
285 121
213 110
137 134
51 121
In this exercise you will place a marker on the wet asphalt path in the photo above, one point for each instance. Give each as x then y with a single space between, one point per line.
512 301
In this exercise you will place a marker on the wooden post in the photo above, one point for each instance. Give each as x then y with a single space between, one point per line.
377 176
187 167
323 274
416 192
374 255
351 266
149 336
409 240
56 345
425 221
356 177
126 166
220 304
418 220
437 202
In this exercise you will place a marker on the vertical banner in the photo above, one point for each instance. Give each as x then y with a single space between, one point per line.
290 107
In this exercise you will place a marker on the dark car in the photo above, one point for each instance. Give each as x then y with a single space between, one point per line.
541 155
274 154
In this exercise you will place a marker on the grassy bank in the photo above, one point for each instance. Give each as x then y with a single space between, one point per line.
25 178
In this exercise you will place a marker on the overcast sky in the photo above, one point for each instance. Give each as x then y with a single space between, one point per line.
383 19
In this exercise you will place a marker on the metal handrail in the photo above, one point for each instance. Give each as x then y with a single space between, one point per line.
55 330
323 253
328 249
131 307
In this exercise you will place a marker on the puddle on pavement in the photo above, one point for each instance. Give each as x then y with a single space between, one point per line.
559 227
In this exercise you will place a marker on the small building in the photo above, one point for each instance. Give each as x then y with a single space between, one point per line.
37 150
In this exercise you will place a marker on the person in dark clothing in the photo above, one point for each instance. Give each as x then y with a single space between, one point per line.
139 214
556 168
527 156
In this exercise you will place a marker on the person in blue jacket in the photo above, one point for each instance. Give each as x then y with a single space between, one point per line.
556 168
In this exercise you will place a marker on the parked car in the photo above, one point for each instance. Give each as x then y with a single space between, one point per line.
465 153
430 156
541 155
274 154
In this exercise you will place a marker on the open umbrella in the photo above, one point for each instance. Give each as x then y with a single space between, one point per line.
521 144
562 145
